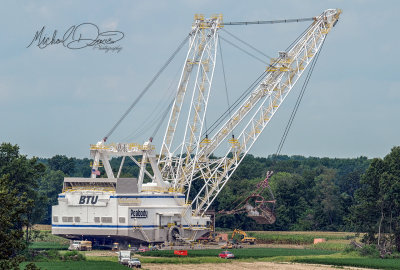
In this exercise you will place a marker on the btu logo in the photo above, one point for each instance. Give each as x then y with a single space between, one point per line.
87 199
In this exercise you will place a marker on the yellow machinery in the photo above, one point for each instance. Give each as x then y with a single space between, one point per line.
80 245
245 239
115 246
86 245
227 246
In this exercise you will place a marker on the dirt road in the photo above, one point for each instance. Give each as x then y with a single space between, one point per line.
242 265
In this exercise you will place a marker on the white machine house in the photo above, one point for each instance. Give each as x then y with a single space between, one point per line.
169 199
125 208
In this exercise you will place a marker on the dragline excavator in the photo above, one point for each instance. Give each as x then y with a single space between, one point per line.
184 179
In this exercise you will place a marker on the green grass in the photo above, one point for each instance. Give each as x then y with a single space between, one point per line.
244 253
162 260
101 258
183 260
356 262
323 234
337 246
48 245
297 238
46 236
284 239
71 265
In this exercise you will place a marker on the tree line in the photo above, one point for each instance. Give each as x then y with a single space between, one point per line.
311 193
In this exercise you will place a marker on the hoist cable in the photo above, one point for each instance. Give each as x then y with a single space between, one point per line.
298 101
146 88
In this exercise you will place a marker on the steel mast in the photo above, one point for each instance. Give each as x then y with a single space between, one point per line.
201 55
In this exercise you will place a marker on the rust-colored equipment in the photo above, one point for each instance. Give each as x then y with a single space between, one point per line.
256 206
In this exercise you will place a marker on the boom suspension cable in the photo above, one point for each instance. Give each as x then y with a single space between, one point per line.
146 88
152 119
243 50
236 103
248 90
299 37
247 44
164 115
270 22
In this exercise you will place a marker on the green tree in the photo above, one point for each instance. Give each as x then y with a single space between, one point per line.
51 185
377 208
291 197
327 203
22 172
13 207
19 197
62 163
365 213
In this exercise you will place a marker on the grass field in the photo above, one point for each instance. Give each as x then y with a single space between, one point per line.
357 262
46 236
331 245
316 234
48 245
71 265
244 253
298 238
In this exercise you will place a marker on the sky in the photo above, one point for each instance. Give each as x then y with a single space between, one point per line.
56 100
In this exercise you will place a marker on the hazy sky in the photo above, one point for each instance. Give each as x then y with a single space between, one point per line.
57 100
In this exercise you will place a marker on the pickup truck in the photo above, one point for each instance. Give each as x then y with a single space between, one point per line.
134 263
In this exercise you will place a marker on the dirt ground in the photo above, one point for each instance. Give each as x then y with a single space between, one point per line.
243 265
100 253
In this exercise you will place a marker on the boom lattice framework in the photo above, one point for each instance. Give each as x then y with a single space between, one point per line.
183 161
156 206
